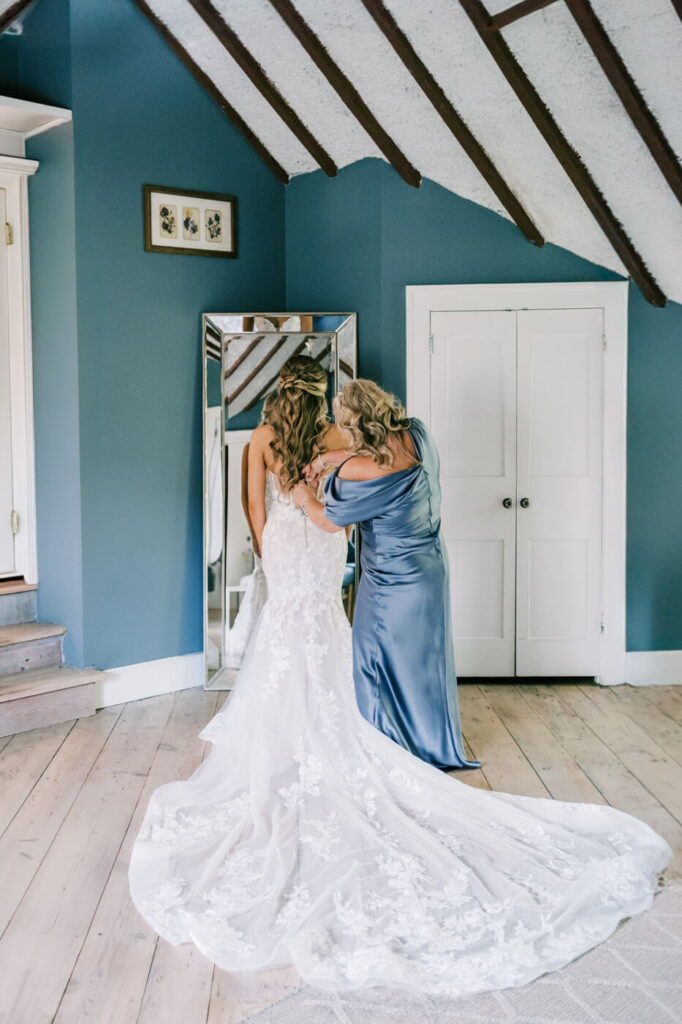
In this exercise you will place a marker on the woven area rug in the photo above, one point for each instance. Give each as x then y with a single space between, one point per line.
635 977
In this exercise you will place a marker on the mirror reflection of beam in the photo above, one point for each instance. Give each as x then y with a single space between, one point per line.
346 369
245 384
244 355
213 342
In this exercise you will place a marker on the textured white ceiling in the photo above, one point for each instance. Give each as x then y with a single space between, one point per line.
556 58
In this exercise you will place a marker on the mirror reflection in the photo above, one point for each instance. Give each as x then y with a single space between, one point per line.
242 358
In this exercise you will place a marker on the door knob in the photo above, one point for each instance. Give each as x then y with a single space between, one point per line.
525 502
507 502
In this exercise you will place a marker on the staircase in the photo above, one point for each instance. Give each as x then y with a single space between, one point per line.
36 687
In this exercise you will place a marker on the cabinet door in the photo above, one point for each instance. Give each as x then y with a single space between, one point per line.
473 421
559 474
6 495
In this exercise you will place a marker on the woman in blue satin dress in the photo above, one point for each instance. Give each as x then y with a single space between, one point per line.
403 659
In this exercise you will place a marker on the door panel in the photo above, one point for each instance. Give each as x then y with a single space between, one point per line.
559 432
473 421
6 487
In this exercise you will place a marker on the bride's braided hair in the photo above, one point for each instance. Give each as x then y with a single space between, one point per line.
371 416
298 416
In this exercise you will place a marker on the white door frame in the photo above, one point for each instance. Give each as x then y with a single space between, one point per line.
14 173
612 297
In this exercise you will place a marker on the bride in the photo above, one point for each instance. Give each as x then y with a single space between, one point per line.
308 837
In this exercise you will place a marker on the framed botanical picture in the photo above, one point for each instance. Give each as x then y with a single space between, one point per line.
189 222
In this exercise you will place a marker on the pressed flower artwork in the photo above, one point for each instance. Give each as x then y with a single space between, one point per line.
168 220
190 222
184 222
214 225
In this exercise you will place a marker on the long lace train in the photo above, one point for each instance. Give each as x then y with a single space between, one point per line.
308 837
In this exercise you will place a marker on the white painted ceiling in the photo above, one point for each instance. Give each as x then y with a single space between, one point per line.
554 55
559 63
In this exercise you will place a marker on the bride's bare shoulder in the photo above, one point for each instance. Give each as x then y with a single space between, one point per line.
262 436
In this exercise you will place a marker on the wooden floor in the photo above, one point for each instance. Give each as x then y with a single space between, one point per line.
73 949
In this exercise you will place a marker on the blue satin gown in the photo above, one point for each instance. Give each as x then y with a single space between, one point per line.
403 657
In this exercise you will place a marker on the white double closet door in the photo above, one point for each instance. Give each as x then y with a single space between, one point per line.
517 414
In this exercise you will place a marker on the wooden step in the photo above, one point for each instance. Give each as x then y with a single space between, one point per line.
25 646
45 696
15 586
23 632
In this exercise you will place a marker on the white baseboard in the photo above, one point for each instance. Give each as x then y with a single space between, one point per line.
166 675
653 668
149 678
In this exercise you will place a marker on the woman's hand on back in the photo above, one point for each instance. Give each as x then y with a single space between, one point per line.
323 462
301 492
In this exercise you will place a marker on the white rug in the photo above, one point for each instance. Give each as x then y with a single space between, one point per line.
635 977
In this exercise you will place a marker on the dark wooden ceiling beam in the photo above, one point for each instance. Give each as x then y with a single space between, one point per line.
435 94
12 13
564 152
253 71
346 90
516 11
215 94
677 4
620 78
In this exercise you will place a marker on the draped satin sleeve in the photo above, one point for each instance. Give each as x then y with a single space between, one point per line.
345 504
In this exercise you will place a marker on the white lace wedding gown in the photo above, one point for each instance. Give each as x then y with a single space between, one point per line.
306 836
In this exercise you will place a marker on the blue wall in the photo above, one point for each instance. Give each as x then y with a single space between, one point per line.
117 373
356 241
116 330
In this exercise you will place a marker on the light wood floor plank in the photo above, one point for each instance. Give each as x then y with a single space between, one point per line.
34 827
556 767
23 761
574 735
504 764
667 699
236 997
618 784
661 775
665 729
43 939
108 981
179 986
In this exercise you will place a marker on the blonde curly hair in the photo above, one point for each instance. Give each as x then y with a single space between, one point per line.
297 413
371 417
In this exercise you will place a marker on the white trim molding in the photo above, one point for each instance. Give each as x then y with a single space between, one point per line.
22 119
149 679
653 668
14 174
612 297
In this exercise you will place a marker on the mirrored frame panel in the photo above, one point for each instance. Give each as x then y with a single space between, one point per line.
242 355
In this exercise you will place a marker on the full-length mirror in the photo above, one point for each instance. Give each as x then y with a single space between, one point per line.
242 355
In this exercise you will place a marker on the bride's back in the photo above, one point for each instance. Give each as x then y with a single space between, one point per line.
329 439
303 565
